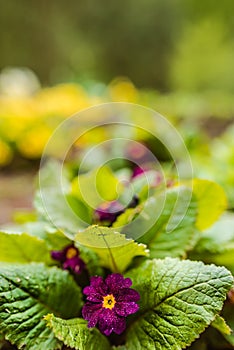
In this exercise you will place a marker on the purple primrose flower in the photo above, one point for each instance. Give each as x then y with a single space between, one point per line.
69 257
139 153
108 211
139 170
110 301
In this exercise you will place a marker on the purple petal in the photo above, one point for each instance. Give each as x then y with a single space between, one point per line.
127 295
75 264
91 313
92 294
108 211
61 255
110 322
125 309
137 171
97 286
58 255
116 281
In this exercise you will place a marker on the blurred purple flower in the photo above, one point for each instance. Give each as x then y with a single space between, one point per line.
156 176
69 257
139 153
108 211
138 171
110 301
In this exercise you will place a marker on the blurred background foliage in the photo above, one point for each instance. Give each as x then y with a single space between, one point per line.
175 56
162 44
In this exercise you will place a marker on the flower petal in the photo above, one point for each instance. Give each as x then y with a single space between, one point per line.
91 313
92 294
110 322
97 286
58 255
116 281
125 309
127 294
76 264
108 211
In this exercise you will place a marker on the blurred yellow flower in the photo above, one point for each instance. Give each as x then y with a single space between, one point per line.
33 141
6 153
62 100
123 90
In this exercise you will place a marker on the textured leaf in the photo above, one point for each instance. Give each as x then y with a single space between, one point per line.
211 202
22 248
76 334
114 250
179 299
27 293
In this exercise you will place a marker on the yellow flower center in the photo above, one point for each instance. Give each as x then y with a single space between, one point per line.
108 301
71 252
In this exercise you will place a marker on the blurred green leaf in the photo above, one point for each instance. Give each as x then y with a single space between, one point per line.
165 222
211 200
97 186
23 248
217 243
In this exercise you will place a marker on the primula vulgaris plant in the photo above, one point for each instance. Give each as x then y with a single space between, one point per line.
122 273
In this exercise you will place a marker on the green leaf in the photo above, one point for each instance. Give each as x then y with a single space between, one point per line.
54 239
228 313
22 217
23 248
27 293
220 324
97 186
142 184
179 299
212 202
217 243
166 223
127 217
183 237
91 260
56 205
114 250
61 211
76 334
